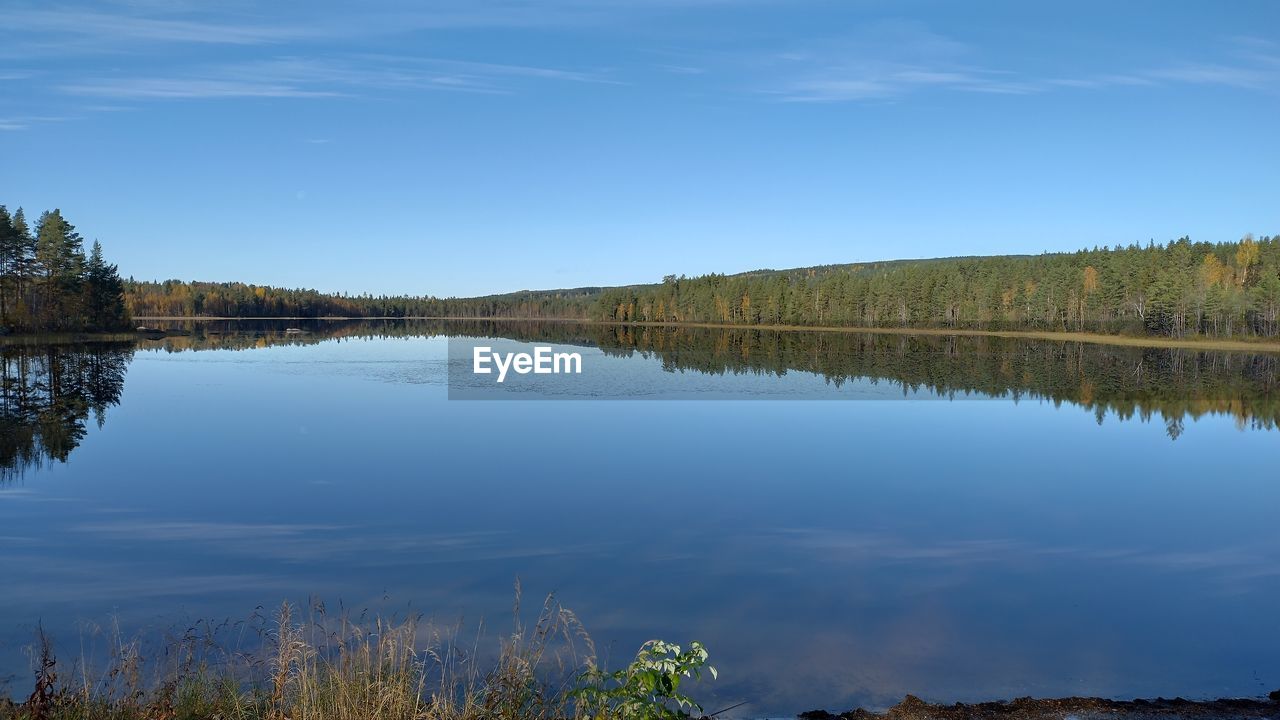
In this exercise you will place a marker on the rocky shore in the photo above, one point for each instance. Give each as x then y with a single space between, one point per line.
1072 708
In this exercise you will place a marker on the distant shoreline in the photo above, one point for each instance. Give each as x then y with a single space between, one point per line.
1028 708
1251 346
1266 346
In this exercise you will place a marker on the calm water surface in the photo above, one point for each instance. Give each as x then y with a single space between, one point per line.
1033 519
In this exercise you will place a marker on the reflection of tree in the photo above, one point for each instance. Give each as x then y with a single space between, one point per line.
1127 381
47 395
184 335
1122 380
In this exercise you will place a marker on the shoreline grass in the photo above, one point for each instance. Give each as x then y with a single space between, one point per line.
323 667
320 667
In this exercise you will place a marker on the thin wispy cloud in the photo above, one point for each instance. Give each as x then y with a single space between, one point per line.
682 69
299 77
203 531
473 73
306 543
1228 563
1215 74
26 495
902 59
1101 81
26 122
886 82
1261 50
77 24
884 61
106 108
183 51
91 27
140 29
188 88
843 84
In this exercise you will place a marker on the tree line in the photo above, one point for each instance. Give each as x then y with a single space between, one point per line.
177 298
48 283
1176 289
1180 288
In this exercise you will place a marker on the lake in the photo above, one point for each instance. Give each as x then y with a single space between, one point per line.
842 518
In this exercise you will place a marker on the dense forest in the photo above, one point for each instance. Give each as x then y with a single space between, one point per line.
1178 289
176 298
47 283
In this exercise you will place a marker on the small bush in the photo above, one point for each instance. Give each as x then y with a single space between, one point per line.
648 688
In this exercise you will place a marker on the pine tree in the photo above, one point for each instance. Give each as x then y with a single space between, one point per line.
104 293
8 253
60 258
22 268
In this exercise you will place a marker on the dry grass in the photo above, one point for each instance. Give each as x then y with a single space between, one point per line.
319 668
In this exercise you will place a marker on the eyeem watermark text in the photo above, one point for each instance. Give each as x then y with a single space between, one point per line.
542 361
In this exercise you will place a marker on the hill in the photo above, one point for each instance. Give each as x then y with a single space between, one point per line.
1176 289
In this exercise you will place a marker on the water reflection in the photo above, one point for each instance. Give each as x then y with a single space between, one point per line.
830 554
1125 381
1175 384
51 391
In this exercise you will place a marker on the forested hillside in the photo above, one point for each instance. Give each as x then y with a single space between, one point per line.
1182 288
47 283
1176 289
176 298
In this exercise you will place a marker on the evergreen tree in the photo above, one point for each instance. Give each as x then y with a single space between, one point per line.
60 259
8 254
24 259
1182 288
104 293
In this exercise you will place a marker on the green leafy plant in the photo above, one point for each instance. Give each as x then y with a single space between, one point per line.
648 688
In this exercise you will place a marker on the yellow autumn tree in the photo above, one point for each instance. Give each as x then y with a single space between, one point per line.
1212 271
1090 280
1246 255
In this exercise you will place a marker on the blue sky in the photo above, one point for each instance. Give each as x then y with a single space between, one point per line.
462 147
